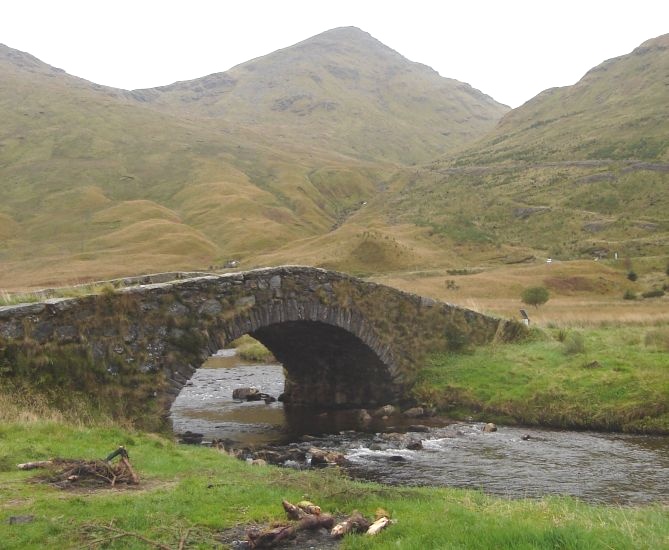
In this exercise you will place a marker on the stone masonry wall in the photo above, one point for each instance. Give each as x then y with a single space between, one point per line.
135 348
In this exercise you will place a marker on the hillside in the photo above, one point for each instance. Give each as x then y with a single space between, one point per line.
618 110
312 155
342 90
100 182
580 171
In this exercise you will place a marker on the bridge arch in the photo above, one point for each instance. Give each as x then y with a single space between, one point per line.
343 341
332 356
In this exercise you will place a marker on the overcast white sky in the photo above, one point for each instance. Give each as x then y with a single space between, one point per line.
509 49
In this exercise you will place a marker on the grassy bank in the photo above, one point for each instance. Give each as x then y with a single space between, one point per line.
613 378
200 493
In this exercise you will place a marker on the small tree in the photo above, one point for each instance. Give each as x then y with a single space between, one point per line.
535 296
632 276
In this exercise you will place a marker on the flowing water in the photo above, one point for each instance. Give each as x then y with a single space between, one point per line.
610 468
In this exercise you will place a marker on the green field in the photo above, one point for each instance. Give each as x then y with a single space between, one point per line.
609 379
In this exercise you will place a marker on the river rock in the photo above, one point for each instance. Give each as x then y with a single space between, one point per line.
489 427
273 457
321 457
191 438
386 410
248 394
414 412
415 445
418 428
364 418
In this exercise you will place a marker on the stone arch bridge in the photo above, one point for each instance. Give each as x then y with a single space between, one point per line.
343 342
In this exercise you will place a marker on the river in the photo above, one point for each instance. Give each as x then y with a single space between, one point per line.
596 467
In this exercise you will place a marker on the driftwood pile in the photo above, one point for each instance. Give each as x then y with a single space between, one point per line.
67 472
306 515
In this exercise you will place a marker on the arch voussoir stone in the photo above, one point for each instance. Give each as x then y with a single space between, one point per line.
343 341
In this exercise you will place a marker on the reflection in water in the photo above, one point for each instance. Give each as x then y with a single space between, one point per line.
596 467
207 406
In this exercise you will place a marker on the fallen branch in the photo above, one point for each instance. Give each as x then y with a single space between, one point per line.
34 465
67 471
184 538
120 533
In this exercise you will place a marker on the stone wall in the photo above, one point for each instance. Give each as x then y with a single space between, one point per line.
343 342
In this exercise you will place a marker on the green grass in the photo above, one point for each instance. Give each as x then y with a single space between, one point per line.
185 487
250 349
613 378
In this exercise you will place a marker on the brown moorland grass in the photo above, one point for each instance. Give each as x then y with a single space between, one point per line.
582 293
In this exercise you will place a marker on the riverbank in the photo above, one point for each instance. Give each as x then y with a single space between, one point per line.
201 493
613 378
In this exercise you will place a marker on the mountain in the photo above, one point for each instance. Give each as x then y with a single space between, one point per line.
277 152
579 171
342 90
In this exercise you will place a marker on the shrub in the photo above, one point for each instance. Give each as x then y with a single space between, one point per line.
574 344
535 296
629 295
655 293
632 276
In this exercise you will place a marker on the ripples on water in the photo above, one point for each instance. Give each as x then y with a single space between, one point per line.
596 467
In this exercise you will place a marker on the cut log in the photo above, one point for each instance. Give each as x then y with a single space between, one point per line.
325 521
271 537
292 511
377 526
309 507
355 523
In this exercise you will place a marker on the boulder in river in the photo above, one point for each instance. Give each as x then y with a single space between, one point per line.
386 410
248 394
415 445
364 418
321 457
191 438
414 412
